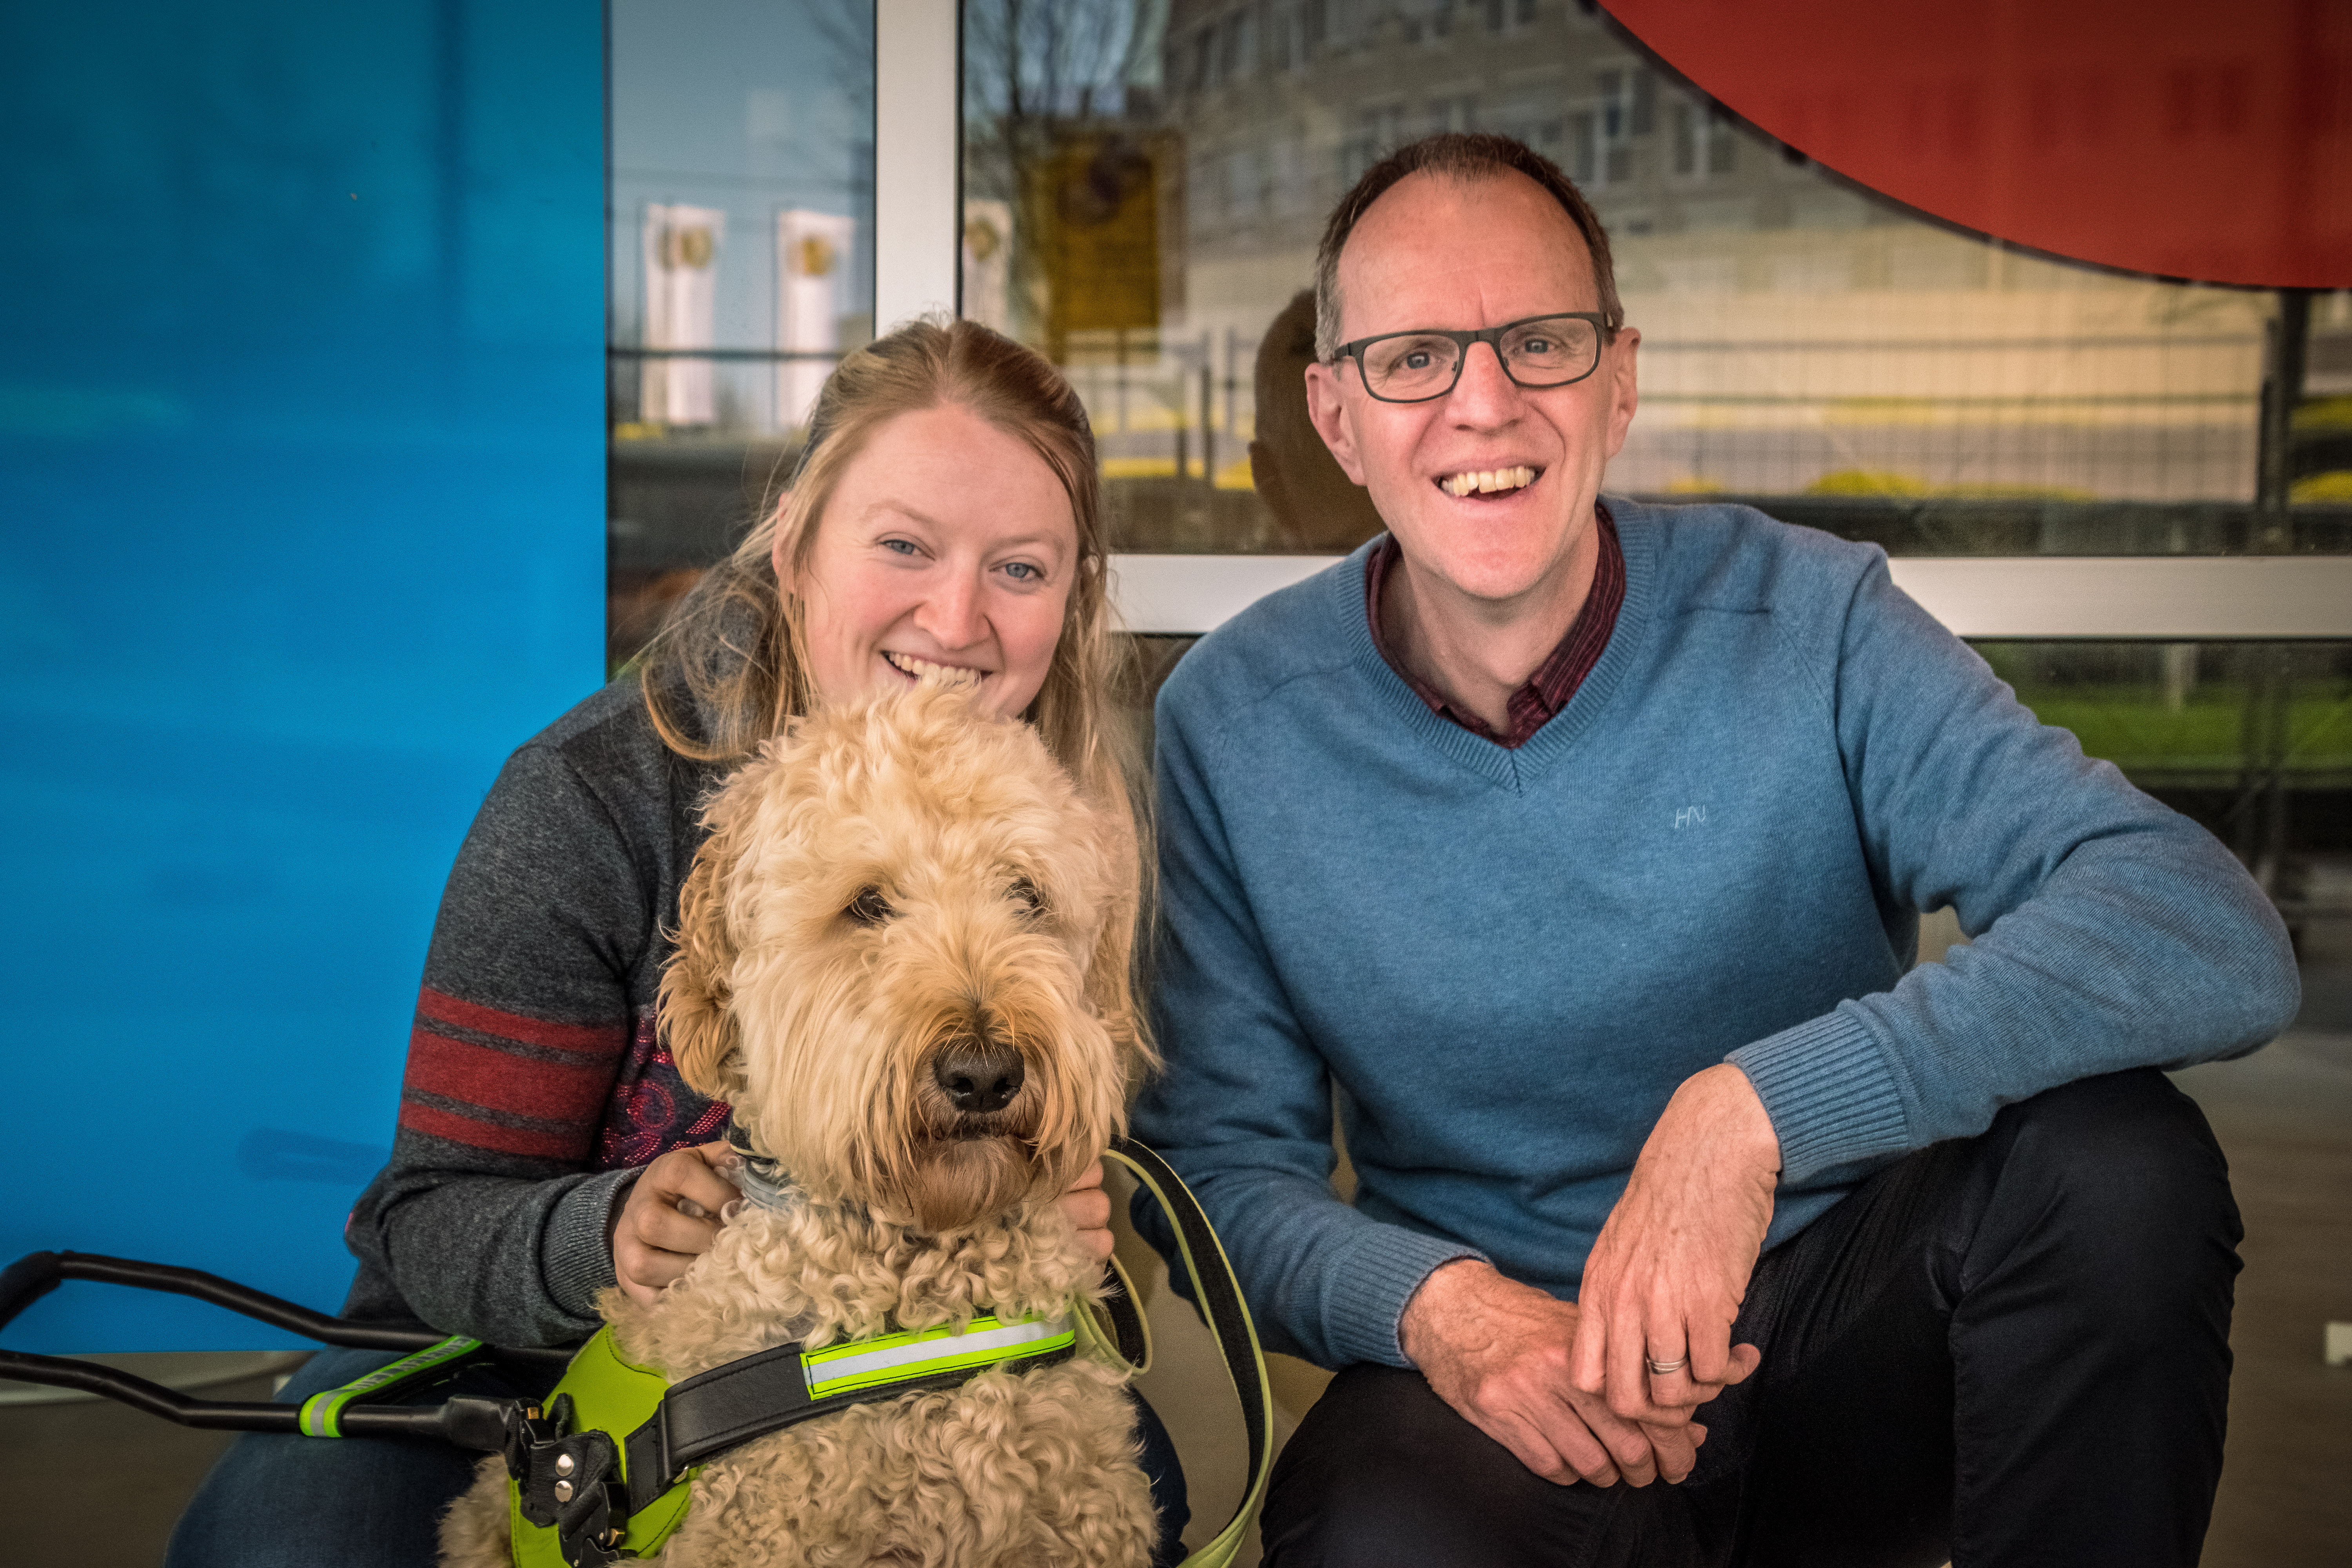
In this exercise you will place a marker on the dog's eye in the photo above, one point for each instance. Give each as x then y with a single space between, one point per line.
1024 893
869 908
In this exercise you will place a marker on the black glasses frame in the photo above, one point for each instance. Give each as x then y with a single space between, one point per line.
1492 338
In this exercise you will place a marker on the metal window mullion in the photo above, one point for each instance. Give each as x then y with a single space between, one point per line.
2159 598
918 158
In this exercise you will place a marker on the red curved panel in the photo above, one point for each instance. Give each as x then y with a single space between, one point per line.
2175 137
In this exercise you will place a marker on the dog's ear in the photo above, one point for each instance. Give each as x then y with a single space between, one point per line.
697 1002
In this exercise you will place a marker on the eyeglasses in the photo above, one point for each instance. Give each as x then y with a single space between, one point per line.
1537 354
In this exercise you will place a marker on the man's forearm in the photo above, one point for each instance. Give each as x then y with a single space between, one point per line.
1663 1285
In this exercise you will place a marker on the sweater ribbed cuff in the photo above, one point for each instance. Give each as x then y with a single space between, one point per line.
1830 1092
576 1252
1386 1265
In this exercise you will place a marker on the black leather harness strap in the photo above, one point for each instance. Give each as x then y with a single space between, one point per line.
730 1406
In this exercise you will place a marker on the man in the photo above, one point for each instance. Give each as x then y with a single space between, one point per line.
1576 848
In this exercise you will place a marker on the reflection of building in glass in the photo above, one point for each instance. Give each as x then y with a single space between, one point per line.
812 254
750 113
681 258
761 118
988 262
1797 336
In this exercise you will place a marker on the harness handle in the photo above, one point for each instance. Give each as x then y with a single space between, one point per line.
36 1274
470 1423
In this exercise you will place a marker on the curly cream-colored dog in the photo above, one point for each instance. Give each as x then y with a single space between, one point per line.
884 965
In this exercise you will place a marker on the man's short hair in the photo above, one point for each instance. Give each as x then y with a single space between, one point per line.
1460 155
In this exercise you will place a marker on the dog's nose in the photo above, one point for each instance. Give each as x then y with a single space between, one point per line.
978 1078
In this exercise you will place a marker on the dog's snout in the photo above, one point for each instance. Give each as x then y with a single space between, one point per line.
977 1078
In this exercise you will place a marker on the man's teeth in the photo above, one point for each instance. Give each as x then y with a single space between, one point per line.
922 668
1489 480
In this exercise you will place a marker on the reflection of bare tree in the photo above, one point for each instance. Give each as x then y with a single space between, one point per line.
844 32
1041 79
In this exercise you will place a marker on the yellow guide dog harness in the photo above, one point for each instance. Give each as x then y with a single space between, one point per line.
617 1433
603 1470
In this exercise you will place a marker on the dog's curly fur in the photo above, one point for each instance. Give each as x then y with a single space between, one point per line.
894 881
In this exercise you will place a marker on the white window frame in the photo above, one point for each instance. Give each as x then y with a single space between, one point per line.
917 227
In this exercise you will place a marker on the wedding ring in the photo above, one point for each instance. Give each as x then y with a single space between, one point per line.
1663 1367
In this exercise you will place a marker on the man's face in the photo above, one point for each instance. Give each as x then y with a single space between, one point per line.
1435 252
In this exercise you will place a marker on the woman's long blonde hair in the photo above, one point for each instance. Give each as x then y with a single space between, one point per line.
729 670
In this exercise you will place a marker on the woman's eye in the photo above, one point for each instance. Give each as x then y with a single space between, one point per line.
1021 571
899 546
869 908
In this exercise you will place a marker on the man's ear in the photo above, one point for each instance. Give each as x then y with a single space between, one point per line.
696 1006
1331 417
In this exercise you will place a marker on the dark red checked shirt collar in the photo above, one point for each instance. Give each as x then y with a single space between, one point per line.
1547 691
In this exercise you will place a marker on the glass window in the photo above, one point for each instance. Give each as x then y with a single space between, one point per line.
2253 740
1804 345
739 246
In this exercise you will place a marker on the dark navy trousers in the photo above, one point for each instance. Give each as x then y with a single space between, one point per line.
2005 1350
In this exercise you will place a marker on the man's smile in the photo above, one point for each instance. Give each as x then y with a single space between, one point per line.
1488 481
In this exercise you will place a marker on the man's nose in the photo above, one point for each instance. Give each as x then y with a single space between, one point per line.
1483 394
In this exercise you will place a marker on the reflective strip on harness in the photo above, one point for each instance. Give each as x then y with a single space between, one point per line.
321 1413
895 1358
616 1397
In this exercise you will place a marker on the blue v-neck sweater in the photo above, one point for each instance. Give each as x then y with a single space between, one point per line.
1504 962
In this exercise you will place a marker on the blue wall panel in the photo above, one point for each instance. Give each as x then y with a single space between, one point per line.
301 529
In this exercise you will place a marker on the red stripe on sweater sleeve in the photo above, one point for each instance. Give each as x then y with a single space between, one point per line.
500 1080
573 1149
606 1039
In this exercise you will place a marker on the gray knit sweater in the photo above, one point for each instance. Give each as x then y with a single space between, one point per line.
536 1086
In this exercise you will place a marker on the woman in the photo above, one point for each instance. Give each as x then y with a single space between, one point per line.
945 514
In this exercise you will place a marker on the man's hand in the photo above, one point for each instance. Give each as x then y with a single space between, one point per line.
1088 1209
672 1216
1667 1277
1497 1351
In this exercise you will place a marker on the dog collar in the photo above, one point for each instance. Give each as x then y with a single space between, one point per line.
764 1183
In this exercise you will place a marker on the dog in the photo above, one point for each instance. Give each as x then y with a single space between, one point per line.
893 962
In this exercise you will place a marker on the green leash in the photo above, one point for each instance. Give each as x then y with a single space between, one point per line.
1220 1295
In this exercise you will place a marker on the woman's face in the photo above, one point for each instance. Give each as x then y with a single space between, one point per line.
947 544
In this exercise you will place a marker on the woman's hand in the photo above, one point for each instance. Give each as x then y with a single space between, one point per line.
673 1214
1088 1208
